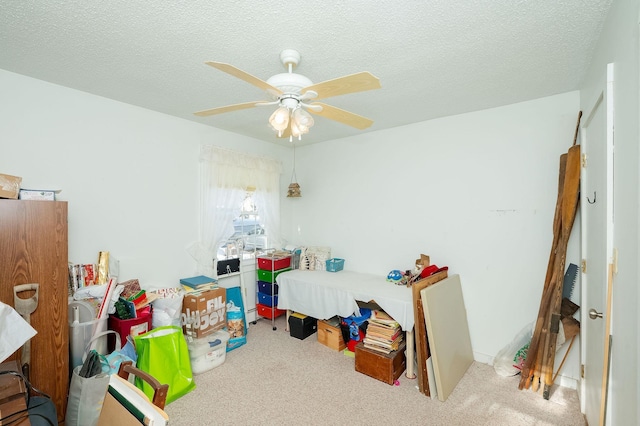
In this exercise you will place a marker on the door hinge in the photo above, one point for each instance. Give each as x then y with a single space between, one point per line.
584 160
615 260
582 370
583 266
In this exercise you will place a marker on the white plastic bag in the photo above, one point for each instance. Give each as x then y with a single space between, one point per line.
508 362
167 307
14 331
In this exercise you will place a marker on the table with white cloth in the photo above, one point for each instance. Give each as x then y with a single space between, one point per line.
322 295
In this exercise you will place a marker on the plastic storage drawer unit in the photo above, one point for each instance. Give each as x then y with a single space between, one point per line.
269 276
267 288
268 311
267 300
274 263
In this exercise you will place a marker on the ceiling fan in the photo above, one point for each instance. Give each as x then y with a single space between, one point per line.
295 96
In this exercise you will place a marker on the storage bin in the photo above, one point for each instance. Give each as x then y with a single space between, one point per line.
208 352
267 300
269 276
268 311
274 263
331 335
131 326
334 264
80 334
266 288
302 326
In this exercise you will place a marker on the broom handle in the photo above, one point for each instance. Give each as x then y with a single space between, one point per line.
564 358
575 136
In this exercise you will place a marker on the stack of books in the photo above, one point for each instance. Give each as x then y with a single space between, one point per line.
384 334
199 284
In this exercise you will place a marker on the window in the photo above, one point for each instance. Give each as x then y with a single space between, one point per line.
238 193
249 234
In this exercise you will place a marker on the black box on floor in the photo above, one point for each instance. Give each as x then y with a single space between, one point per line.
302 326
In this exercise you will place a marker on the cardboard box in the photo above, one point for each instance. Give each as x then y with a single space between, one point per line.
204 313
126 405
302 326
384 367
330 334
10 186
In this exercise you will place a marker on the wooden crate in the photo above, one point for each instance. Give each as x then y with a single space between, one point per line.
384 367
330 336
12 396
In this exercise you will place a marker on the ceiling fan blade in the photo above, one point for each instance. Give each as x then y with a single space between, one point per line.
236 72
358 82
228 108
345 117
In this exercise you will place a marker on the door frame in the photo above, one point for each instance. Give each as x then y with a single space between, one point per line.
604 100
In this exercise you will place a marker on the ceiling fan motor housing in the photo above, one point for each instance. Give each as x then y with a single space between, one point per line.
289 82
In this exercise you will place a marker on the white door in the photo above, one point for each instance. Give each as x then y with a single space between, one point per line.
596 203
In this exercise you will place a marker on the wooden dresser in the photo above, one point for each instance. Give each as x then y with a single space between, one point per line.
33 249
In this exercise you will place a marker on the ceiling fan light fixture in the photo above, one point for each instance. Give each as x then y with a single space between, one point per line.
292 93
302 118
297 130
279 120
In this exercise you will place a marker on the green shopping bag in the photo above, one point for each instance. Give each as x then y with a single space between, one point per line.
163 353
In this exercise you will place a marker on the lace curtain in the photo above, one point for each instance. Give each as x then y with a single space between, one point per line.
225 177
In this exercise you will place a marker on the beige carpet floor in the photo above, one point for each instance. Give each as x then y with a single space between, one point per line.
278 379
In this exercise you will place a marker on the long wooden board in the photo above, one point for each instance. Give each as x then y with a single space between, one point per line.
448 329
420 333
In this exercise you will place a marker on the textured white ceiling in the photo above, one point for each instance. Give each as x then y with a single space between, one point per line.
433 58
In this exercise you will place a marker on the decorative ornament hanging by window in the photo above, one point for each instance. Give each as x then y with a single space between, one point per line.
294 187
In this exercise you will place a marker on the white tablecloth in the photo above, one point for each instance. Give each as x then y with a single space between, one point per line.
323 294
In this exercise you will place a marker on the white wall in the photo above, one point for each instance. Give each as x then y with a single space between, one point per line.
130 175
620 45
476 192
